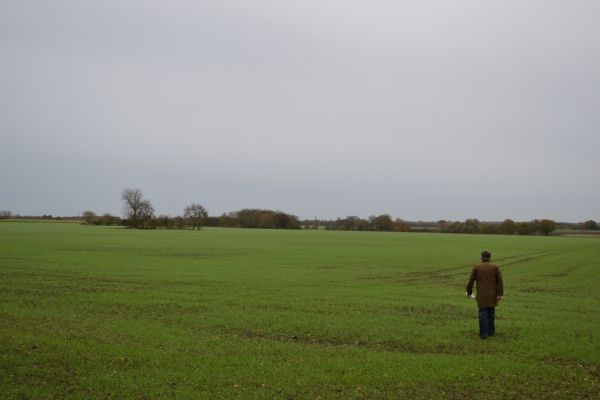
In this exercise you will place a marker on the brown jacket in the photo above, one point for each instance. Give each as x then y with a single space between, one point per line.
489 284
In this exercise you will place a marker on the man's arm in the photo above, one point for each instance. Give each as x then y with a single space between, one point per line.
472 280
499 283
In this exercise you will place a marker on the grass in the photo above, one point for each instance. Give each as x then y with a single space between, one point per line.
110 313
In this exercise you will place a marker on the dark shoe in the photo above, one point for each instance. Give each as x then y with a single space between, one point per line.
483 337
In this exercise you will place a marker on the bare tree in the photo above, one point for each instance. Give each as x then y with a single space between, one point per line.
195 214
89 217
146 214
138 210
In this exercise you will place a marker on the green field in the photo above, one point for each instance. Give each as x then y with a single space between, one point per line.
110 313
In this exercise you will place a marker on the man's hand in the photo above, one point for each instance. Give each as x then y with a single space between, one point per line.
471 296
498 298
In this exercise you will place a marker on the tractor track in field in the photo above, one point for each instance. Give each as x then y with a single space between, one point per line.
443 274
361 343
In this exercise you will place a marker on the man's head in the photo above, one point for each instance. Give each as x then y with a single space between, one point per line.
486 255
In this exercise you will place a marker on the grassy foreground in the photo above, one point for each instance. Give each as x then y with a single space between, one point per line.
101 313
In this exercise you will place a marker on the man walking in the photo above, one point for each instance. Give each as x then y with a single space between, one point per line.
490 290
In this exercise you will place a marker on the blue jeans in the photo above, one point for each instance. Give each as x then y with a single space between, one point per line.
486 322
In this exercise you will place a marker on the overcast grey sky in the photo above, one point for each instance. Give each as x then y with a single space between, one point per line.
421 109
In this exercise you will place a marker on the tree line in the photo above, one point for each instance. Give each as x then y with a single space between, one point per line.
379 223
268 219
507 227
140 214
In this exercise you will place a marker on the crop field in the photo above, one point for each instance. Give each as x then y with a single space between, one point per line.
92 312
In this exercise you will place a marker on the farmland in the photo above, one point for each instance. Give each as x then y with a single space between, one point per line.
105 312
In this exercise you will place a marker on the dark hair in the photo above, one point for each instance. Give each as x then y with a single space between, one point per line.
486 255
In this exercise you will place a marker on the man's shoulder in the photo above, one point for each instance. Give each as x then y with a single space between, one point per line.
489 265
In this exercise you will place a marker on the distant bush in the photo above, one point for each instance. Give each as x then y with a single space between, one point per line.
590 225
91 218
265 219
380 223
